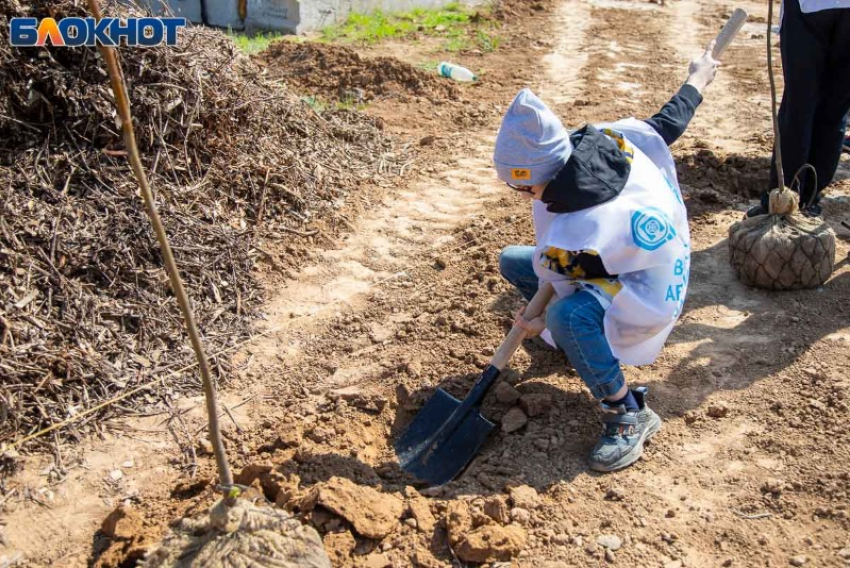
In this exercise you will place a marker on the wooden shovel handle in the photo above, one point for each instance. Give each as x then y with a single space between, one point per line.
535 308
727 34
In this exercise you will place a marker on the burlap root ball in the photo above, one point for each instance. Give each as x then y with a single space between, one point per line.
241 536
782 252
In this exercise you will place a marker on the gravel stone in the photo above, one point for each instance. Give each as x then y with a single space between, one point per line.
610 541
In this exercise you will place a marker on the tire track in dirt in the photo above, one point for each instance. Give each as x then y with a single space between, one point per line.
736 108
622 67
382 253
562 82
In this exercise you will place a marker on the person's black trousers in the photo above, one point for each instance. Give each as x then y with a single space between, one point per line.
813 115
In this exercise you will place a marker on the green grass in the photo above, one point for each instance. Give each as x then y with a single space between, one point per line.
452 22
316 104
487 42
256 42
349 104
430 65
456 43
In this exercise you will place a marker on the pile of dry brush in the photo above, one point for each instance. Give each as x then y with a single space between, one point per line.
85 306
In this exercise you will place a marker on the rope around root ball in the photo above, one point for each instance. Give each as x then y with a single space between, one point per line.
240 536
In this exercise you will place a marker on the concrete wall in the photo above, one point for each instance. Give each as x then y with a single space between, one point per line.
223 14
275 15
286 15
220 13
189 9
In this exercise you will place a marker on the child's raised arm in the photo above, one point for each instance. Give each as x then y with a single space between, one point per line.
673 118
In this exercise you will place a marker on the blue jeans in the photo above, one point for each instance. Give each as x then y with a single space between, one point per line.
575 323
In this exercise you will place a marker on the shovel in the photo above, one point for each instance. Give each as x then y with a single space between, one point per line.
447 433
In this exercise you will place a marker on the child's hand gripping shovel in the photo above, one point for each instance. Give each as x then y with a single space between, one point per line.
447 433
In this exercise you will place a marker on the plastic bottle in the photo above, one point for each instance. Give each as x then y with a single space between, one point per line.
456 72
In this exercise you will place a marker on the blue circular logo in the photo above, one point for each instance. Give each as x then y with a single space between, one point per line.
651 229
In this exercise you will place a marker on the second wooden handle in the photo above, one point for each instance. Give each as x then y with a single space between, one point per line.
727 34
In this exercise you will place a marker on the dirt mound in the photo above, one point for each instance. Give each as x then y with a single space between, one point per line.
510 11
482 539
746 175
85 307
341 73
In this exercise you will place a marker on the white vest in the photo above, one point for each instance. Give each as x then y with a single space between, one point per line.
811 6
642 236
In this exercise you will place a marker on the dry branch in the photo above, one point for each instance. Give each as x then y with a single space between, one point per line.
85 307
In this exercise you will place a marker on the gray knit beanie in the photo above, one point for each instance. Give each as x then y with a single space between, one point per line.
532 144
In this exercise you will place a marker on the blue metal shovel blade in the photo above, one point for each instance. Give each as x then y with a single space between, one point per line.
439 443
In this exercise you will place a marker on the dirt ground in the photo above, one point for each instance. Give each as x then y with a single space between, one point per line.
750 469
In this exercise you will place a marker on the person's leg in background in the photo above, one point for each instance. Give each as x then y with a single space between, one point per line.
803 60
804 57
830 124
576 324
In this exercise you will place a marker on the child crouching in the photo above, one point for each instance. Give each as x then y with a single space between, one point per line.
612 237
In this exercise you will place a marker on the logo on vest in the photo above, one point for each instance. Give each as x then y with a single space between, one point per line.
651 229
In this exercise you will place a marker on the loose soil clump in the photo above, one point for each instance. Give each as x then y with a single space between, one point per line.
128 538
371 513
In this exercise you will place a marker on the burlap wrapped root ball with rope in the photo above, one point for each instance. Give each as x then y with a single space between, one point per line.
239 536
783 250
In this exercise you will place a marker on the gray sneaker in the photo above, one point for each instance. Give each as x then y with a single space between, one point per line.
621 443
